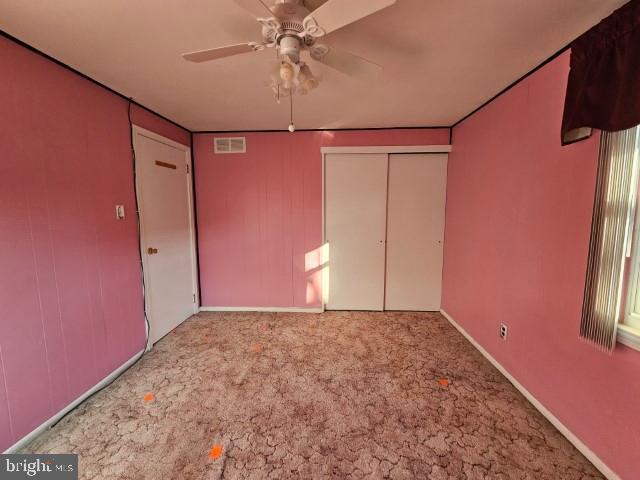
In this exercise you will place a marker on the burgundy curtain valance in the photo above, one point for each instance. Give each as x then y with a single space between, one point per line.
603 91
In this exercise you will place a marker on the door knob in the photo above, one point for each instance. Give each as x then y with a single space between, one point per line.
152 251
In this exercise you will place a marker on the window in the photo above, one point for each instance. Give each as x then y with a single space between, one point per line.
631 317
611 309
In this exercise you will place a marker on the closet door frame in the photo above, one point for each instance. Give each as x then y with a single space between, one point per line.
387 149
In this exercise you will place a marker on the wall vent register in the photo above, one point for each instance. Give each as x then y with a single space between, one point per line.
229 145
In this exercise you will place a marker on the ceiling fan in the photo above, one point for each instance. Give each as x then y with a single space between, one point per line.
290 28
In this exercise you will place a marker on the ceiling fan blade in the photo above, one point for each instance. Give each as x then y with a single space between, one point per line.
346 62
221 52
336 14
257 8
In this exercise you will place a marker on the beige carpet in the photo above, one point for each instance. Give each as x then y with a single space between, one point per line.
357 395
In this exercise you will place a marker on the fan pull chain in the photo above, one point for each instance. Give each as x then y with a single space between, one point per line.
292 127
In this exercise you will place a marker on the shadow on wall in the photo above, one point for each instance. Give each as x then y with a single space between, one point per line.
316 266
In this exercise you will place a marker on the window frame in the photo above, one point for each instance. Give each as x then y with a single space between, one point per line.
631 318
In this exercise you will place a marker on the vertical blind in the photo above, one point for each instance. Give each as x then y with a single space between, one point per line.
611 232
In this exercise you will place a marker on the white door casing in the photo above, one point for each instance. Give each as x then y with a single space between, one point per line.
167 231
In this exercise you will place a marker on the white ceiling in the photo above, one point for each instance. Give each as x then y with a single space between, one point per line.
442 58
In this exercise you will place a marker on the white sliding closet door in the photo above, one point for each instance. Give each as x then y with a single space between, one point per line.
415 231
355 212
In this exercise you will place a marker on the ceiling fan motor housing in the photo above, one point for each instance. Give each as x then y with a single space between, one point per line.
290 36
290 46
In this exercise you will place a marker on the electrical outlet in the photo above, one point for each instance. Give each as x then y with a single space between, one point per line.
503 331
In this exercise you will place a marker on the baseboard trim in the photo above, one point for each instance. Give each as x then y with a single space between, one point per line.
38 430
262 309
575 441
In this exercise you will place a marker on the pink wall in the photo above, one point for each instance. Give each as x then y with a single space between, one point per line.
260 214
146 119
517 233
70 290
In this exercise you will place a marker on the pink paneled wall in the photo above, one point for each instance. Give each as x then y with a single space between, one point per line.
517 233
150 121
260 214
70 286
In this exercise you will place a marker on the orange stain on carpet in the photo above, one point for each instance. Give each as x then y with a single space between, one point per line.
149 397
215 452
257 348
444 382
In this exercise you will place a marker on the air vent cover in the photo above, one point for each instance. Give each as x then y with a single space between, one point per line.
229 145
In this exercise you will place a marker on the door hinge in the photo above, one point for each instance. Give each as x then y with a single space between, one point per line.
188 167
194 298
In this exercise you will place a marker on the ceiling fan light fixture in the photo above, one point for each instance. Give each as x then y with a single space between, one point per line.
308 81
286 72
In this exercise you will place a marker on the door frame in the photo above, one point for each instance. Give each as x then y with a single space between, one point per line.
388 149
138 131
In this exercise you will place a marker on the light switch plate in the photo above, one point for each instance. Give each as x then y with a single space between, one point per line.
120 212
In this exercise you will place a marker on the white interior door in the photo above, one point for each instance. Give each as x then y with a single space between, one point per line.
355 205
415 231
167 243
